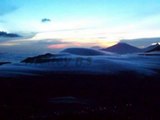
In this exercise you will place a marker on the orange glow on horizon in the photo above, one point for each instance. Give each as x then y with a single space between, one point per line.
108 44
62 46
57 46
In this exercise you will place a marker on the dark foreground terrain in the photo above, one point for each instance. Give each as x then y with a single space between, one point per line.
56 96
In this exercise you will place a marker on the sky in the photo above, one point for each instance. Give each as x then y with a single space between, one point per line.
57 24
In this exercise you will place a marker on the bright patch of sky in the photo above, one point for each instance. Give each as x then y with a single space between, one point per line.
98 22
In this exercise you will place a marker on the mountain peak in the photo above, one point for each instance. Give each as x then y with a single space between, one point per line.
151 47
122 48
157 43
155 47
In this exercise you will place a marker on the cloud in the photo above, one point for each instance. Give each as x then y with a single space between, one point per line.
44 20
10 35
6 38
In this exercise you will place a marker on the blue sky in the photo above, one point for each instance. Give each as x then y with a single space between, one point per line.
80 22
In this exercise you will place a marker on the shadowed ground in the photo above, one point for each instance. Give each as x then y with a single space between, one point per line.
80 96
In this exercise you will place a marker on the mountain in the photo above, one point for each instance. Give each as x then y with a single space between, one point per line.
38 59
122 48
154 48
150 47
48 57
84 51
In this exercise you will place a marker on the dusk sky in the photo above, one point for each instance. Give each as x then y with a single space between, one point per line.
56 24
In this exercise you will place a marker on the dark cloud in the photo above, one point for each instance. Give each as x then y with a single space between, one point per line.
10 35
44 20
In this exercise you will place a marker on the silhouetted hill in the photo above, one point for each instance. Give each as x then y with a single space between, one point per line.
39 59
122 48
154 48
149 48
48 57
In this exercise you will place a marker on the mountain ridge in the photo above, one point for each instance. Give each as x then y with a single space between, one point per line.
122 48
